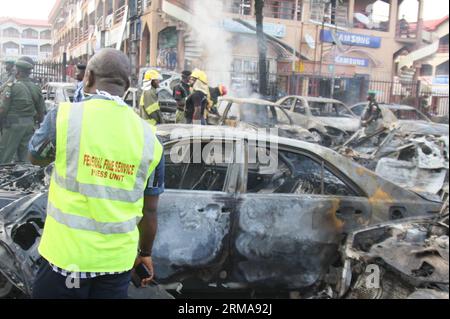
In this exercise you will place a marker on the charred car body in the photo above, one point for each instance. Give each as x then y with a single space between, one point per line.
407 149
331 120
238 224
407 118
58 92
396 260
255 113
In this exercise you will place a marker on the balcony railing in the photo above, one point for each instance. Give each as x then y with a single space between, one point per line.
285 10
118 15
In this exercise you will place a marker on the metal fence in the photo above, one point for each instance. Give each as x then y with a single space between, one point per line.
45 72
352 90
49 72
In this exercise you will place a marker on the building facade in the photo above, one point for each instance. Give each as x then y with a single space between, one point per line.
19 37
349 41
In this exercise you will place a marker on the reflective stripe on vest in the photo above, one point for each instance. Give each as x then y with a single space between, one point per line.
84 223
152 108
98 191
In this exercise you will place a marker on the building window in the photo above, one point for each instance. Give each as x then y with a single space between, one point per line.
372 15
332 12
46 48
46 34
11 33
10 49
30 50
242 7
426 70
167 48
30 34
442 69
109 7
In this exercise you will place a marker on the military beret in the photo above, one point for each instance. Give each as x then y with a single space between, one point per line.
25 63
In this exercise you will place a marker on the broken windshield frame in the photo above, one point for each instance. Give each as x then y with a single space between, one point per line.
327 109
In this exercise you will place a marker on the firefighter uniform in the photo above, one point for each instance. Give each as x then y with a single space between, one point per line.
149 100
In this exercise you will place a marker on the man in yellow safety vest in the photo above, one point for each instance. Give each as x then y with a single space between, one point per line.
103 197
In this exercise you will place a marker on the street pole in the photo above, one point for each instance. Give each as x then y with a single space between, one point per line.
64 67
333 76
321 46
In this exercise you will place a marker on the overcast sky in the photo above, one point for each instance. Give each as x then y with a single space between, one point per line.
39 9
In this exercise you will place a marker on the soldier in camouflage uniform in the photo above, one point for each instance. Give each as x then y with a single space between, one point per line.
21 106
9 74
8 77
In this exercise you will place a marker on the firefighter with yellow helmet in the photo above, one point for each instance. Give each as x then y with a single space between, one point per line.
149 98
197 102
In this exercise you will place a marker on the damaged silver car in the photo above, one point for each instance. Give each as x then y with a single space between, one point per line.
407 119
328 119
252 113
233 221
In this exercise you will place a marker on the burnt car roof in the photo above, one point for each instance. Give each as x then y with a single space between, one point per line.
248 101
315 99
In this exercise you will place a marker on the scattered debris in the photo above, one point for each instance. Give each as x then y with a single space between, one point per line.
414 161
407 259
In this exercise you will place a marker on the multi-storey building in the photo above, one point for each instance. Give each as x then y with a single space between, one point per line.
348 40
25 37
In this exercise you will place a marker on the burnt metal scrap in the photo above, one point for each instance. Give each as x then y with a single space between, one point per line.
22 178
412 160
407 259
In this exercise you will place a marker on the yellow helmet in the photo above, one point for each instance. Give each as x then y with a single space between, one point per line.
151 75
200 75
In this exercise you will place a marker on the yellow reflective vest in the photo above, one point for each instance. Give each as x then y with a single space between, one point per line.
105 154
149 102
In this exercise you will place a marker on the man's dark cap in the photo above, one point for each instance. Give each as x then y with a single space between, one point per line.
81 67
186 73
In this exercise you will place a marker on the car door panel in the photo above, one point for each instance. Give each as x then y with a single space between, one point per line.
194 212
192 230
291 240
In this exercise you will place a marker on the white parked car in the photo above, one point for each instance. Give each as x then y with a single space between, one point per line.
331 120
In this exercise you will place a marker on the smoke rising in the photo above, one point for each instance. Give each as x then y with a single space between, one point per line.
214 40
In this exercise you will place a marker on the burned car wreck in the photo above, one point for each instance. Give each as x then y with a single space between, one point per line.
228 223
414 157
396 260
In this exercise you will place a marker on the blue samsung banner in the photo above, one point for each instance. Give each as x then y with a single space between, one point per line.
352 39
352 61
